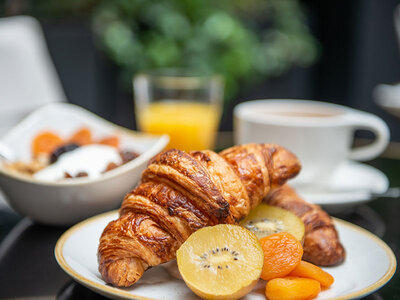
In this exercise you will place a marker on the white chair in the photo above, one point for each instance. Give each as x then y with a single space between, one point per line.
28 78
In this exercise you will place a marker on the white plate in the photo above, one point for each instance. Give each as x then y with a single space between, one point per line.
370 263
353 183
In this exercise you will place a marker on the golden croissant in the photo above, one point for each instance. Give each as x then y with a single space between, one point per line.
180 193
321 241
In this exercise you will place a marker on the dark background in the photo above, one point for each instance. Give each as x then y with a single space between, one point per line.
358 51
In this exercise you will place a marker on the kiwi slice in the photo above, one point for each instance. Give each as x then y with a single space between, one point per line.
221 262
267 219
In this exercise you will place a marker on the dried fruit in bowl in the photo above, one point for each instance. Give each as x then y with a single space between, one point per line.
112 141
82 137
45 143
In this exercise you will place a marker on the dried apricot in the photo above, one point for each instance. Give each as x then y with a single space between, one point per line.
308 270
112 141
82 137
282 253
292 288
45 142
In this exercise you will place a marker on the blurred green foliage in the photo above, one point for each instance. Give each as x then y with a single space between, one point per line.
244 40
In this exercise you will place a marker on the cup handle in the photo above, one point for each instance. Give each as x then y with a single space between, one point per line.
375 124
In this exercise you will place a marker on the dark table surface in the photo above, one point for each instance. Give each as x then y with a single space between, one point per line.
28 269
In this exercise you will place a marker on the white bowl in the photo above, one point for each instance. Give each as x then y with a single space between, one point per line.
69 201
387 96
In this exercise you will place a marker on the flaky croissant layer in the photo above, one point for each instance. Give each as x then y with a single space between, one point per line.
180 193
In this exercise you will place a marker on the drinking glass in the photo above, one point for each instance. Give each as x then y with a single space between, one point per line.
180 103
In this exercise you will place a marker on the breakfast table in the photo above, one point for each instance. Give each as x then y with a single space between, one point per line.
28 268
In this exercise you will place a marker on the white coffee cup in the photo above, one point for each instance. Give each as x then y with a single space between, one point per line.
319 133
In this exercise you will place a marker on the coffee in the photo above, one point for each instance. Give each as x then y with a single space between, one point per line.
301 114
299 110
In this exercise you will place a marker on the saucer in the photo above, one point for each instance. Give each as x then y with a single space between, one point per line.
388 97
352 184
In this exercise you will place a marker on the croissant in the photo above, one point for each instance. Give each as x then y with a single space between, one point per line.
321 242
180 193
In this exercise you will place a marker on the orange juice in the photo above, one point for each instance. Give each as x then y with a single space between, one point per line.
190 125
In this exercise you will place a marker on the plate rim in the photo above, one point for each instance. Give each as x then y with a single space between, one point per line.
121 293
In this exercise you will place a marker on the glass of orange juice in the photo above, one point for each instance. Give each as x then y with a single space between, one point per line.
184 105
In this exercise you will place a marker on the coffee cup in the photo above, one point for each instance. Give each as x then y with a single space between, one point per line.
320 134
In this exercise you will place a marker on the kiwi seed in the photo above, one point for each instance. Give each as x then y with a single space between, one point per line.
265 226
205 263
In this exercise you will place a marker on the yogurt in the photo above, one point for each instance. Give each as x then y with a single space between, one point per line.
92 159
